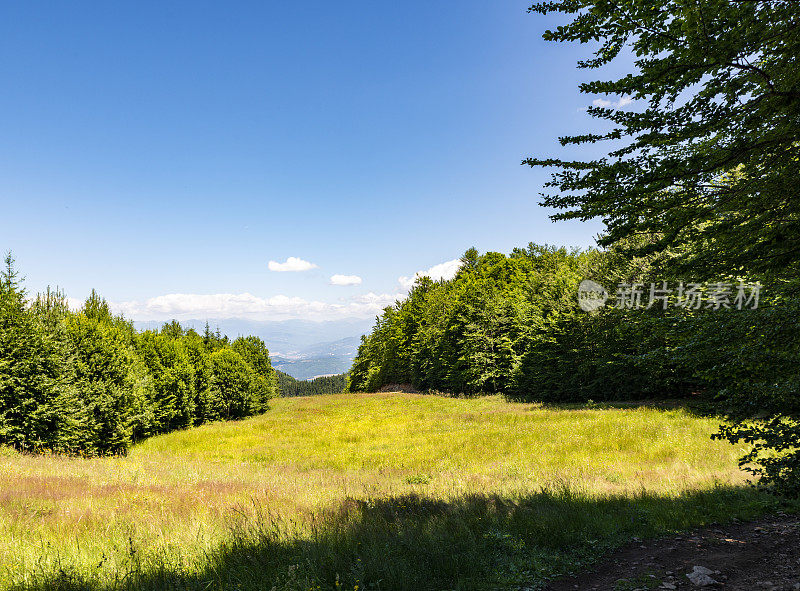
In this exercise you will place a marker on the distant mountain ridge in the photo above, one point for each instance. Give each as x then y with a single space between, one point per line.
347 346
321 359
304 349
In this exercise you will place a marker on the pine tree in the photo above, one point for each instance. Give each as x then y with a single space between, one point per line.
38 408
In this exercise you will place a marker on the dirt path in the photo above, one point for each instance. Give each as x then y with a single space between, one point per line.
761 555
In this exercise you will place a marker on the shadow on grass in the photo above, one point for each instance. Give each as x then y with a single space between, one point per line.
414 543
696 405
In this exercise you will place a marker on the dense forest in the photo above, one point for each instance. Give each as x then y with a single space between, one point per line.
512 324
85 382
289 386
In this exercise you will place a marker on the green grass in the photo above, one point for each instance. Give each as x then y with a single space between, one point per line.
380 491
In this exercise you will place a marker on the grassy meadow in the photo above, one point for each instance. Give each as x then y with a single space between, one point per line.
367 491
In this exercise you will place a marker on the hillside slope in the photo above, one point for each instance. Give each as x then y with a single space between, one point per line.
417 492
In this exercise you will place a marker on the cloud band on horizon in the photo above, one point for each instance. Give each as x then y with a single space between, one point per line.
245 305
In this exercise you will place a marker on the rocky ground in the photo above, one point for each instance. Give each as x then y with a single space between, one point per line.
754 556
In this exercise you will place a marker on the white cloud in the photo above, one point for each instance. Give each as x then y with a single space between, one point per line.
291 264
345 280
183 306
446 271
618 104
75 303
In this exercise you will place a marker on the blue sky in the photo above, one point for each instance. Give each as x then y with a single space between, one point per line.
152 149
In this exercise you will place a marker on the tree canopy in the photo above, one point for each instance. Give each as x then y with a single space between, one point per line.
706 158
